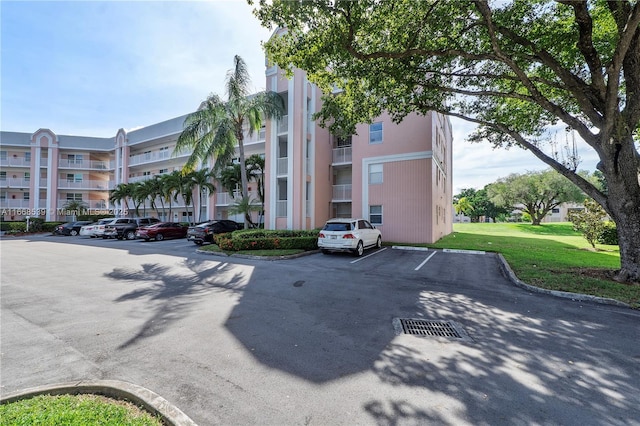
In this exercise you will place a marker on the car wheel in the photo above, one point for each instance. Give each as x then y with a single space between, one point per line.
147 239
325 251
159 237
379 242
198 243
359 249
73 232
131 235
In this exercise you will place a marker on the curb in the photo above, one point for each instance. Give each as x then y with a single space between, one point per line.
504 266
249 256
116 389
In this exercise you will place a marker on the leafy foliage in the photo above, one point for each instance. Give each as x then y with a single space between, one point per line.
590 221
267 240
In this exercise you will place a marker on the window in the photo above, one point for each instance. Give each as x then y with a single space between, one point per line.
3 175
25 195
74 177
375 174
3 155
555 210
375 215
27 157
343 142
74 158
3 195
74 196
163 171
27 176
375 132
146 173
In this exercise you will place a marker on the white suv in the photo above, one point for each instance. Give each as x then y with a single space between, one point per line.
348 235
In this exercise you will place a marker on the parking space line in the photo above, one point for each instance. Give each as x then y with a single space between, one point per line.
369 255
425 261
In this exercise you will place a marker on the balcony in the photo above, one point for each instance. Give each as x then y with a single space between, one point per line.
342 155
89 204
341 193
14 183
139 178
87 184
151 157
10 203
15 162
63 163
283 166
225 199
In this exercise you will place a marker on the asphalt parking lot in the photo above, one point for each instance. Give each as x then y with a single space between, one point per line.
311 340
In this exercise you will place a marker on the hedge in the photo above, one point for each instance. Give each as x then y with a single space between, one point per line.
35 225
259 239
609 234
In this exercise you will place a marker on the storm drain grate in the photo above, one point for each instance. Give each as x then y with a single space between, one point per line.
417 327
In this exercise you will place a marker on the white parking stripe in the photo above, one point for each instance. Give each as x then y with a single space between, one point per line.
425 261
362 258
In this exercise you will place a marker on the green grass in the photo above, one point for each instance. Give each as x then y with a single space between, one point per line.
72 410
551 256
280 252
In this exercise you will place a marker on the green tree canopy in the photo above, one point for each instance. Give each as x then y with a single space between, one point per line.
535 193
514 68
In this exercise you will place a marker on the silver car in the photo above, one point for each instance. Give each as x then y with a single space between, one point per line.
353 235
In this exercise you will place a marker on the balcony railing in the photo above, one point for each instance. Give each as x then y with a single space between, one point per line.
87 184
90 204
14 183
63 163
341 192
225 199
15 162
150 157
283 166
10 203
139 178
342 155
283 124
281 208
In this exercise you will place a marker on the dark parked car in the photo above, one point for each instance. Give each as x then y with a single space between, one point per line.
162 230
71 228
203 233
126 228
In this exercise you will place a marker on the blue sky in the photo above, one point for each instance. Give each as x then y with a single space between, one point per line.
89 68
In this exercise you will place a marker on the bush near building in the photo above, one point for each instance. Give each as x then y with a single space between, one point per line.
260 239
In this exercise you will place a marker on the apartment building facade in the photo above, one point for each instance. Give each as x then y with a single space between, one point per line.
398 176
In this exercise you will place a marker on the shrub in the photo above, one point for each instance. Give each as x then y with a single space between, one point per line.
609 234
590 221
15 227
259 239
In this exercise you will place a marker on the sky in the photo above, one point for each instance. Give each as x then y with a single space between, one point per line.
90 68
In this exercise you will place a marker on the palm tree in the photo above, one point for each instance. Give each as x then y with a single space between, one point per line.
230 178
138 197
245 205
143 191
202 179
186 191
75 206
255 168
170 189
156 192
120 193
214 130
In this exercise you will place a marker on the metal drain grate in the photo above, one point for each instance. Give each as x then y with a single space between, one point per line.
417 327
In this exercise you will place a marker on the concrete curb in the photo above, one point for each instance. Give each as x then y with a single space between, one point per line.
248 256
116 389
563 294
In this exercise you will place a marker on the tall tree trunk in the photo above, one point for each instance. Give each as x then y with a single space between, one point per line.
622 172
243 176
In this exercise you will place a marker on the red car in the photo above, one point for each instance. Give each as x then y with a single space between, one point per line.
160 231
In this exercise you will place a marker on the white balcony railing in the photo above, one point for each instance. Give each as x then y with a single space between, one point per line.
341 192
283 124
86 184
15 162
14 183
225 199
90 204
283 166
281 208
10 203
63 163
150 157
139 178
342 155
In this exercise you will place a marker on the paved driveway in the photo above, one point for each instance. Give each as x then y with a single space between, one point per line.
310 340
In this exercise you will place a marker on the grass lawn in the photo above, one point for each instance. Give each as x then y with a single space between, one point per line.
551 256
72 410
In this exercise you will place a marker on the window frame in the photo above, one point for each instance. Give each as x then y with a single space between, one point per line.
375 173
371 215
372 132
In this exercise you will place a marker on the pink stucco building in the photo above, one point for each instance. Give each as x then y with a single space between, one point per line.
398 176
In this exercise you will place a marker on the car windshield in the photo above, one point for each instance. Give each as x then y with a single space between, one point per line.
337 226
